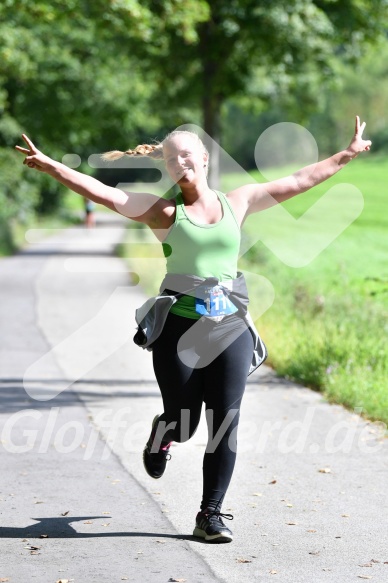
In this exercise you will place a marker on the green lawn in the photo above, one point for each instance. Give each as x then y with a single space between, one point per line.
357 258
328 325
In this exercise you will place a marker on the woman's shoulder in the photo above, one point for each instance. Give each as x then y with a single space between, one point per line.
237 204
164 215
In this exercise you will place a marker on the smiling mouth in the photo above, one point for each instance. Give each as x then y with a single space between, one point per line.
182 172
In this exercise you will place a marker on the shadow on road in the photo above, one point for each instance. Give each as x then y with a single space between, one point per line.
60 527
13 396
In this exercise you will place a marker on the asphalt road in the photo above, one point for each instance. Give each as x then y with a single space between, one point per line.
77 396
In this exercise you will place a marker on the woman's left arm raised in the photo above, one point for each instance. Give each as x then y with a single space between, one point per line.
258 197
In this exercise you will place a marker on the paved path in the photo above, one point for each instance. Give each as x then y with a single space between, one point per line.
309 493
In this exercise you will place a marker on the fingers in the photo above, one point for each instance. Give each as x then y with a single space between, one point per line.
30 164
31 148
359 128
28 142
22 150
360 131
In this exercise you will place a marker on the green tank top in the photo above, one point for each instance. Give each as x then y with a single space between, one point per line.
205 250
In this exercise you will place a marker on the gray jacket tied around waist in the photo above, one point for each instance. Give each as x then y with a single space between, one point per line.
151 316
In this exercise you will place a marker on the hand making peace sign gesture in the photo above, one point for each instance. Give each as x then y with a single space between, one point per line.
358 144
34 157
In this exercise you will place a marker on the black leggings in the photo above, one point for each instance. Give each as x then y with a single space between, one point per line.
198 361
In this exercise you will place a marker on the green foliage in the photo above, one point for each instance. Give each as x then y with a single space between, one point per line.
339 347
15 203
72 76
289 42
326 108
291 45
361 88
60 89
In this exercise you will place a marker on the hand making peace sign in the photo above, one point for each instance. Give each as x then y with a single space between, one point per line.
34 157
358 144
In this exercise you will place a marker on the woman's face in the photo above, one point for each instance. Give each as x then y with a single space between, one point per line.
185 160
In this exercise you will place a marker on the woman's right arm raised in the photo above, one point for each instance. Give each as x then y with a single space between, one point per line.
141 207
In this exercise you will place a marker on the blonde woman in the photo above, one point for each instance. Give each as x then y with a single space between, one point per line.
200 232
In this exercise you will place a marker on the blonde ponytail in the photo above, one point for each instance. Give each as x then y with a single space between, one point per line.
154 151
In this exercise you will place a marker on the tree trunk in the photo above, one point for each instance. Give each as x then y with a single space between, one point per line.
211 99
212 123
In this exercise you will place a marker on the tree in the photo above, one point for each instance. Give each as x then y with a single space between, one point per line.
282 37
56 85
72 76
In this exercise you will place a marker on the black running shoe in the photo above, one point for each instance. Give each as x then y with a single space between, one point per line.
155 463
209 525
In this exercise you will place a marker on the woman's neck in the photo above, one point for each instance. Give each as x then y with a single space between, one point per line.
193 193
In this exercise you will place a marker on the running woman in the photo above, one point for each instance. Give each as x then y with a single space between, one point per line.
204 352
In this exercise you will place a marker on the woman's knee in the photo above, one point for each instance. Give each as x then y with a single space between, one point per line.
181 426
